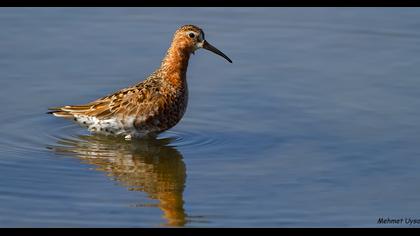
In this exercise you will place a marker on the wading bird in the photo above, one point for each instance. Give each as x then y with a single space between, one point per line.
151 106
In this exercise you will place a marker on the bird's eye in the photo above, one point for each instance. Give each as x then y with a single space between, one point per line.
192 35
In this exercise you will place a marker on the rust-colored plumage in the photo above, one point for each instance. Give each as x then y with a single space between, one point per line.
151 106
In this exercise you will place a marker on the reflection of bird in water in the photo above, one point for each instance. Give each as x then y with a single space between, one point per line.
146 165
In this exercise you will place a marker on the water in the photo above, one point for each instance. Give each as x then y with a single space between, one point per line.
314 124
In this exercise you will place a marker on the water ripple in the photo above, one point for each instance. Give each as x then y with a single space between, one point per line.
191 137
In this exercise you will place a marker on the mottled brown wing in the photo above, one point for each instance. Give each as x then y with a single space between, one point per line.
140 99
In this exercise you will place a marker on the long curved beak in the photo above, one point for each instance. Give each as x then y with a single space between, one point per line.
210 47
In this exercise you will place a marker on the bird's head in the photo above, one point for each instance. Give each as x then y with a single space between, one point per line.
192 38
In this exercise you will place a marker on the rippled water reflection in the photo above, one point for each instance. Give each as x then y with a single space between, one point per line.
146 165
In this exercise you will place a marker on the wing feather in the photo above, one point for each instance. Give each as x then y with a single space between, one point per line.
125 102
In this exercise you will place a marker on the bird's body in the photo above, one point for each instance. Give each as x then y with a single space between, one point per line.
151 106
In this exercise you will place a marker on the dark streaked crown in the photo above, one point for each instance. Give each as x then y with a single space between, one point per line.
186 28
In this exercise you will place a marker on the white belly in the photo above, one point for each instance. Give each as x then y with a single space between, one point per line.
110 126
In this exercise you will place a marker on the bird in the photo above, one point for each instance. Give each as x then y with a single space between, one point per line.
151 106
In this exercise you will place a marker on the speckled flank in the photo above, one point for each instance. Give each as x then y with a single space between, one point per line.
149 107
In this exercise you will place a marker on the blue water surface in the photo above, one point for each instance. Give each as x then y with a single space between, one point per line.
315 124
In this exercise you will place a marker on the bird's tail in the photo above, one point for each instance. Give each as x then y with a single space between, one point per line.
59 112
70 111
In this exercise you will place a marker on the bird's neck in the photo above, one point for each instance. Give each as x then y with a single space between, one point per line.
175 63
